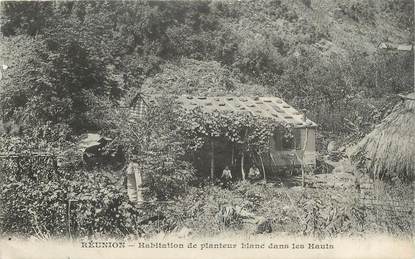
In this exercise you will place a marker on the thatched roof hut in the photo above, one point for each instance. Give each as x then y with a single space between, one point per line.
390 148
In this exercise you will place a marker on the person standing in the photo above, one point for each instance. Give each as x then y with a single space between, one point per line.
226 176
134 181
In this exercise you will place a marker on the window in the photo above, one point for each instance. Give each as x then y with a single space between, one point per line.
285 140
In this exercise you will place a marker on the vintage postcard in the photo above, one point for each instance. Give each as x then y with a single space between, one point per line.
207 129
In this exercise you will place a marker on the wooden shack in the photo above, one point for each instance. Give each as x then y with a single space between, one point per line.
301 150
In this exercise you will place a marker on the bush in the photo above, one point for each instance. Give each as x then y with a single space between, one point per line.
44 197
87 204
310 212
403 10
359 11
165 176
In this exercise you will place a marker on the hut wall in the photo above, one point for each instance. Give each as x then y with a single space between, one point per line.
286 156
310 151
282 154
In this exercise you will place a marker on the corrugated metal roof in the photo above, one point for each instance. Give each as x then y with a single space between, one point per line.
267 107
91 139
393 46
405 47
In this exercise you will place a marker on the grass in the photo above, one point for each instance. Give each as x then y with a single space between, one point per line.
321 212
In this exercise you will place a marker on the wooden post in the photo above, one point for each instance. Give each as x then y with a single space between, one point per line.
212 160
242 166
69 219
302 158
263 168
233 154
376 70
275 164
243 156
302 176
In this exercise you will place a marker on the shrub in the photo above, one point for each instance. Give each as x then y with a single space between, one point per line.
87 205
310 212
166 176
359 11
38 198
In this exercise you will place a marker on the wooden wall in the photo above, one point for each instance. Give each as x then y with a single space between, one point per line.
288 157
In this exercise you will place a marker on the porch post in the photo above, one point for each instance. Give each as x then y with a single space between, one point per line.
242 166
263 167
212 159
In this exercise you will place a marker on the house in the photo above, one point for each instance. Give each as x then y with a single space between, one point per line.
283 154
301 150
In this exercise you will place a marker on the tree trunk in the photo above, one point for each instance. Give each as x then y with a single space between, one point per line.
242 166
233 154
69 219
212 160
302 176
243 156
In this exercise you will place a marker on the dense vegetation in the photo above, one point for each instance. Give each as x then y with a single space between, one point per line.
71 53
70 64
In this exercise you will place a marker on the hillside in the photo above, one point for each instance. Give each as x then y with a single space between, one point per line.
318 55
284 46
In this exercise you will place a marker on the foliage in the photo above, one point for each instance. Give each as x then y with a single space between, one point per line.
253 133
155 141
318 213
403 10
44 86
167 173
359 11
69 63
202 204
97 206
25 145
191 77
29 18
41 174
208 47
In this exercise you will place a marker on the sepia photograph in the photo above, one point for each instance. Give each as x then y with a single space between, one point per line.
207 129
